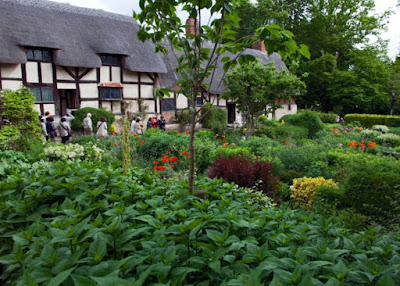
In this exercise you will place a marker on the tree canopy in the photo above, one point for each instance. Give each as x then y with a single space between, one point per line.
254 87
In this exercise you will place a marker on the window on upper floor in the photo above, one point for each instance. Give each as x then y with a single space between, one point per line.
111 93
200 101
43 94
110 60
38 55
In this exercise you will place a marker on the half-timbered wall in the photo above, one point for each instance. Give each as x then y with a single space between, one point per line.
75 87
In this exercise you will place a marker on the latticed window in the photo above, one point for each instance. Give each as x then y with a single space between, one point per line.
168 104
110 60
111 93
43 94
38 55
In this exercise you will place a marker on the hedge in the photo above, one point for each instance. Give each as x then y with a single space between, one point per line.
97 113
368 120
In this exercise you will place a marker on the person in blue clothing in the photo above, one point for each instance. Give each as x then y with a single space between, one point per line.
149 124
50 128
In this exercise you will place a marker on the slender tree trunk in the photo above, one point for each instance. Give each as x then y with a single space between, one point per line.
192 158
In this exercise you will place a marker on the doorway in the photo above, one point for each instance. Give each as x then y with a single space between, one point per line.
231 113
68 100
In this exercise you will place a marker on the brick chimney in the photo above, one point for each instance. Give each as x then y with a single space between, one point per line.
259 46
190 26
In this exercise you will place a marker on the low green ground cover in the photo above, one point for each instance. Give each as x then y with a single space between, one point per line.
84 223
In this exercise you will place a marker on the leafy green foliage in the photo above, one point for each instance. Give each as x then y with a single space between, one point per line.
390 140
253 87
18 106
369 120
215 118
307 119
97 113
87 224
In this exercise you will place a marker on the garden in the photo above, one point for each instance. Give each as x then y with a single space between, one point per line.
305 201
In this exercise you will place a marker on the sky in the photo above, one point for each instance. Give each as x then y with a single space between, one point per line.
125 7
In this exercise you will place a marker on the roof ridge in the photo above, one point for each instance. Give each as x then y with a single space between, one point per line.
69 8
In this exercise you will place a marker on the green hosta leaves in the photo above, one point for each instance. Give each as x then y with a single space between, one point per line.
144 231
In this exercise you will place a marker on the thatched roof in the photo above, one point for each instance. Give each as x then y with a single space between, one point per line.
217 86
78 34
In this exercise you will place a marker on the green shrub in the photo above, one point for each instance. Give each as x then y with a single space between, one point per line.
206 152
329 126
327 117
283 132
97 113
157 145
368 120
395 130
263 120
389 139
354 124
307 119
182 117
372 186
381 128
18 106
257 144
230 152
370 135
287 176
215 118
204 134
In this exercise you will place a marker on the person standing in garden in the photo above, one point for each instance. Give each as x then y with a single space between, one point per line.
43 127
154 123
149 124
133 124
162 123
87 125
51 130
102 127
64 130
69 117
138 129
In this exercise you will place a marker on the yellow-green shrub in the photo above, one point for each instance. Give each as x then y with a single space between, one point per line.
304 189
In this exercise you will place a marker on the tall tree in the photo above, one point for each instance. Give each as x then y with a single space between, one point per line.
159 22
254 87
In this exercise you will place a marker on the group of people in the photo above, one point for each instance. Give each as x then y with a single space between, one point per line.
153 123
88 128
49 131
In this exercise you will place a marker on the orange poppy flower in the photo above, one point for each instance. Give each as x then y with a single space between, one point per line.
173 159
115 144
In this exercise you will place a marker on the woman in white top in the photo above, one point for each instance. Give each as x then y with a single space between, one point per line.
102 127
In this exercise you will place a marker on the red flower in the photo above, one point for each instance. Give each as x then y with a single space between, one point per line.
172 149
371 144
161 168
115 144
184 152
165 159
138 139
172 166
187 156
112 133
135 135
216 135
101 135
173 159
142 141
155 162
187 133
223 136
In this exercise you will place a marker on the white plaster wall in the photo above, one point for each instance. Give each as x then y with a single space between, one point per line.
131 91
130 76
181 101
106 105
132 106
222 101
89 90
8 70
61 85
213 100
150 104
146 91
105 74
50 108
47 72
32 73
116 74
279 113
116 105
92 75
145 78
11 84
94 104
37 108
62 74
